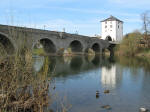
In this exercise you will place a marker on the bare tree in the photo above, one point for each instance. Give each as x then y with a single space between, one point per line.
146 26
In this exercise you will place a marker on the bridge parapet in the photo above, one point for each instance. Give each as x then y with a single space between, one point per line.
114 42
53 39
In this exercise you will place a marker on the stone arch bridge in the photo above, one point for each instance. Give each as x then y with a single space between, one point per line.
52 41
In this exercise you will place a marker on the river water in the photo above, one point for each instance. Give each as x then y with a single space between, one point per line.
76 80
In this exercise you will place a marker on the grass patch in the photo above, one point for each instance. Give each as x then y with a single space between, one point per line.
39 51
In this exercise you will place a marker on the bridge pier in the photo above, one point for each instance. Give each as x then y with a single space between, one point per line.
112 52
111 49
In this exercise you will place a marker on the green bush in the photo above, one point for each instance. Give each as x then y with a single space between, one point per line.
130 45
38 51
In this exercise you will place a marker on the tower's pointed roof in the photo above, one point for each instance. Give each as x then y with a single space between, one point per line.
112 18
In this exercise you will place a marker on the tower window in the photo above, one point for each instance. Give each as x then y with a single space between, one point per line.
110 26
105 22
105 26
118 26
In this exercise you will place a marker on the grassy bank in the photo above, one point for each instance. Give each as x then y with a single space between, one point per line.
143 53
21 89
39 51
131 46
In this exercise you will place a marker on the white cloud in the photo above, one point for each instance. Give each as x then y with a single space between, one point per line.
85 10
131 3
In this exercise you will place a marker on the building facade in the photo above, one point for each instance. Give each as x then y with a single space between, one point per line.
112 29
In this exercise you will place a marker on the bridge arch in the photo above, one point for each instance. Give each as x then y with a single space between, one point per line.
7 44
76 46
96 47
47 45
109 38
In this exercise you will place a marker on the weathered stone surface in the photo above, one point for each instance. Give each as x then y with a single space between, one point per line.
52 41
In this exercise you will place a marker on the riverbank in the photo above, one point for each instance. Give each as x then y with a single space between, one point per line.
132 46
144 53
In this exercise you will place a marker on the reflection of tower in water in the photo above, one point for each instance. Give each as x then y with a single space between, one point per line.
110 76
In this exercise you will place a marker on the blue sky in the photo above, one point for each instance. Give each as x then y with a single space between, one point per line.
83 16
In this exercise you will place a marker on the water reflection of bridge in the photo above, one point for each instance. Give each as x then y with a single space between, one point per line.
65 66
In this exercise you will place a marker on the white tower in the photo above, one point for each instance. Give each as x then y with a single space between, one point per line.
112 29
